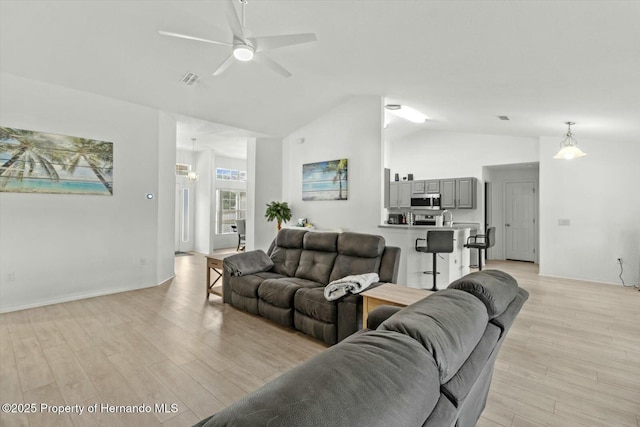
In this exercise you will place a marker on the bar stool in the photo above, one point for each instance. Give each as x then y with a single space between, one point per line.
438 242
487 241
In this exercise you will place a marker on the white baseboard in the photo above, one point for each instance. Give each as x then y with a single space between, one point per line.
75 297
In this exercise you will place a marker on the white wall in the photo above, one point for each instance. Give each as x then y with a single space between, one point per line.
265 172
62 247
165 198
599 194
353 130
203 201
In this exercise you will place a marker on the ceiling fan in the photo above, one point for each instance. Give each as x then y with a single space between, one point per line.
249 48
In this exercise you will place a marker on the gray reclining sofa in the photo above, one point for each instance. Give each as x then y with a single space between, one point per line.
429 364
291 290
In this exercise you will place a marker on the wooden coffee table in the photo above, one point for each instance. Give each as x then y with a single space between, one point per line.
389 294
214 262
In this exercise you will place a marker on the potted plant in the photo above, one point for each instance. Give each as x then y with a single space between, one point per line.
279 211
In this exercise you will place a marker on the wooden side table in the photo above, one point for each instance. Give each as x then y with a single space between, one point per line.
214 262
389 294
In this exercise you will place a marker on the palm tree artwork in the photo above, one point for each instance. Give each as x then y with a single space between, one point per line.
37 162
339 169
327 180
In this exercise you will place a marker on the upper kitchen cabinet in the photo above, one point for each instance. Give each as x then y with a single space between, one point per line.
418 187
448 193
429 186
466 193
400 194
432 186
458 193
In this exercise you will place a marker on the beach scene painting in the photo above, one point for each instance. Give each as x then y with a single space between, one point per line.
325 180
37 162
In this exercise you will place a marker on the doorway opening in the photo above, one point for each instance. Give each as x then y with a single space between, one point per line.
511 205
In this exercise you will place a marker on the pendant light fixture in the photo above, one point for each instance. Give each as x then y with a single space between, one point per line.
569 146
193 175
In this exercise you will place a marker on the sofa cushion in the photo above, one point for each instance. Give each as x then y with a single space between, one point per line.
290 238
286 251
285 261
496 289
311 302
248 285
325 242
448 323
351 384
357 254
346 265
360 245
315 265
280 292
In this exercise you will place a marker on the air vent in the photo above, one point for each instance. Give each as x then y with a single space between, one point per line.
190 79
504 117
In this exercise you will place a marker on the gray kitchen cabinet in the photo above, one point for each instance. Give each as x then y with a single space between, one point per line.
466 193
432 186
448 193
458 193
418 187
405 195
393 194
400 194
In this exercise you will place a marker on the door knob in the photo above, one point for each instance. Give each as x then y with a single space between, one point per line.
508 225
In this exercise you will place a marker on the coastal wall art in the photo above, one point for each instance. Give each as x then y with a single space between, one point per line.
37 162
325 180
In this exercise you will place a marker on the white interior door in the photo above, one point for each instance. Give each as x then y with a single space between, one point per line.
520 220
184 236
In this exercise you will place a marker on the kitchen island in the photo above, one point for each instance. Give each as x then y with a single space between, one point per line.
413 264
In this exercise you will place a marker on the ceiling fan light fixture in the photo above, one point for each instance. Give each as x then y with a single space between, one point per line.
569 146
243 52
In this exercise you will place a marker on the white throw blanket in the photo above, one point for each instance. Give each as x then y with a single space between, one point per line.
354 284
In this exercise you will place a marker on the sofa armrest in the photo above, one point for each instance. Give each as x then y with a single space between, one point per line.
350 313
389 264
380 314
246 263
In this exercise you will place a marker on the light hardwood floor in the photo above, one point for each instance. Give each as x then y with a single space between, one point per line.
572 358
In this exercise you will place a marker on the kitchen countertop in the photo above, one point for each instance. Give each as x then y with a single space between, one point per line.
426 227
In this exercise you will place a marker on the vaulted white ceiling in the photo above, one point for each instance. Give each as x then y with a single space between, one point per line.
460 62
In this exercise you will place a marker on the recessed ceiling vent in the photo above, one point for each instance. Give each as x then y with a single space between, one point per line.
504 117
190 79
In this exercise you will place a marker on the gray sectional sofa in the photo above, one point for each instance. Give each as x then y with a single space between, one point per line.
429 364
289 290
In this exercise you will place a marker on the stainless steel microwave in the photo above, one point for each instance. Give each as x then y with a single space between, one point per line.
426 201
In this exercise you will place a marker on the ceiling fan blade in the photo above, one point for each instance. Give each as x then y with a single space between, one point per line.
234 22
225 64
184 36
271 64
273 42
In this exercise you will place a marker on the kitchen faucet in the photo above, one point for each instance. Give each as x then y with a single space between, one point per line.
444 221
